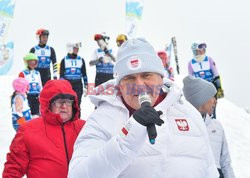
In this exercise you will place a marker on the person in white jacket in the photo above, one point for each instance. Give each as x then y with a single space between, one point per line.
114 142
201 94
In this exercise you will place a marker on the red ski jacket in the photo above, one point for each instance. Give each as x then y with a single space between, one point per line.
42 148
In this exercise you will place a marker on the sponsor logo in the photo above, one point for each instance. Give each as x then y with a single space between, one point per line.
202 73
182 124
73 70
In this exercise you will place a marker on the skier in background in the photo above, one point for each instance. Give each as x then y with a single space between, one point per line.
46 55
204 67
121 39
19 103
35 83
166 64
72 68
103 59
200 93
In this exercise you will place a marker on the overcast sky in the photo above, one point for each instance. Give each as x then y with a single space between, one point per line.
222 24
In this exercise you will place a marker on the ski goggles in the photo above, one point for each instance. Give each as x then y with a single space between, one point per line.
198 46
202 46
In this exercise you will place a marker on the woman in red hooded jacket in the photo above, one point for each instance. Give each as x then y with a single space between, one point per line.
43 147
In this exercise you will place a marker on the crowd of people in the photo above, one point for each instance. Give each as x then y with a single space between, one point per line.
142 127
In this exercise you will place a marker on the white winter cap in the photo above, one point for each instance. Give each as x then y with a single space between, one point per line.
137 56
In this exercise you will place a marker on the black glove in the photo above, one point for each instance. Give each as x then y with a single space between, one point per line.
147 115
100 59
106 51
216 82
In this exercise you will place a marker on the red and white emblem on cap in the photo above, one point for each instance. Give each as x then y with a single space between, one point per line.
182 124
134 62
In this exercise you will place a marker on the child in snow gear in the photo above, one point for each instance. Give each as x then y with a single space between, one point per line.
72 68
166 64
103 59
204 67
46 54
19 103
35 83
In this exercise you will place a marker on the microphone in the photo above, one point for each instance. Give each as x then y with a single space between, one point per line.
145 100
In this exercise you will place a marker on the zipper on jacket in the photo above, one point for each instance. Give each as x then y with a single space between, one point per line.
65 144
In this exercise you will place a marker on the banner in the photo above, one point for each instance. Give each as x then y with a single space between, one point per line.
6 48
134 9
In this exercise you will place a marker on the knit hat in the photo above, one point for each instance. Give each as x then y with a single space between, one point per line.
198 91
136 56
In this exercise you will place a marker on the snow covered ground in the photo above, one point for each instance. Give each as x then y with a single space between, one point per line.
235 120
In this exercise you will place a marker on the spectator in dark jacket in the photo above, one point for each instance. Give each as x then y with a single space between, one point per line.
43 147
72 68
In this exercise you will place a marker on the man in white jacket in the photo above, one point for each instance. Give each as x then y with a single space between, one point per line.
114 142
201 94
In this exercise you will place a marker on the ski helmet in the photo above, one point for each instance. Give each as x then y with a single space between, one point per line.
121 39
40 32
198 46
71 45
20 85
103 36
30 56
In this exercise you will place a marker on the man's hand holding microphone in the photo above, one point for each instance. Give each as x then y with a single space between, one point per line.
148 116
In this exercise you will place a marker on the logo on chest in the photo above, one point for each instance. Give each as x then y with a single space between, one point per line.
202 73
73 70
182 124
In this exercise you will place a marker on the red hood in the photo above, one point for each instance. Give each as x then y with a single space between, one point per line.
50 90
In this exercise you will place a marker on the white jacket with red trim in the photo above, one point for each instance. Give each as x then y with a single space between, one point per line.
181 150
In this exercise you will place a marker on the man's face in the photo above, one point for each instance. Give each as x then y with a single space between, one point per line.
43 39
63 107
132 85
208 107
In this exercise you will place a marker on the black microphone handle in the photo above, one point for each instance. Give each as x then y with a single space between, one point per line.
152 134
